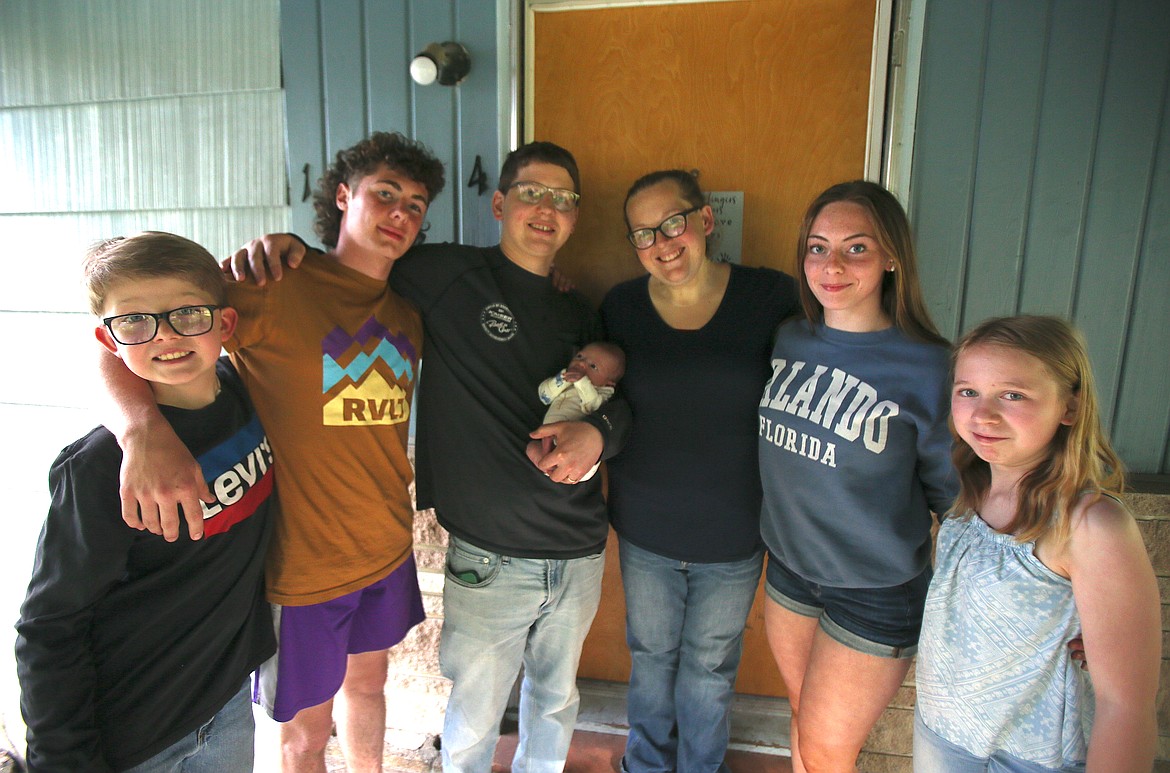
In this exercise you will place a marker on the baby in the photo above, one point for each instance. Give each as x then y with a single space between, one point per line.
579 389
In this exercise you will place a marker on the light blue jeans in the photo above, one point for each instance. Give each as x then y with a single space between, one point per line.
501 612
225 742
684 625
935 754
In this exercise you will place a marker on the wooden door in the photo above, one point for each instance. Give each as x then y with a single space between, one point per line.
767 97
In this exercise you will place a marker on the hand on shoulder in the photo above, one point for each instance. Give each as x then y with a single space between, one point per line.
265 257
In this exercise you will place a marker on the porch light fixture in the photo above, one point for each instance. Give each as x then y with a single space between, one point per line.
446 62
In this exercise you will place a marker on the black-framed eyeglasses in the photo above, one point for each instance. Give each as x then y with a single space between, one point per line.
142 326
675 225
531 193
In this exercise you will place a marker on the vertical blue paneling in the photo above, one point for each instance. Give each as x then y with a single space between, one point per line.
1122 175
945 144
300 44
1041 184
346 70
999 209
1078 47
388 83
476 29
1142 421
435 113
343 63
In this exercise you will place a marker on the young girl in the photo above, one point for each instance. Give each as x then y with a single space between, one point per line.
854 455
1035 551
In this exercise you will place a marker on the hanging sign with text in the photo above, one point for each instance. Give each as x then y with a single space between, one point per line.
726 242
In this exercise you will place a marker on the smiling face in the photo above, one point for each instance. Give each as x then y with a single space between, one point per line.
381 216
532 234
674 261
1007 406
844 265
180 369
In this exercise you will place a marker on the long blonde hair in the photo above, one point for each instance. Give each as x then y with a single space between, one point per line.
1080 456
901 293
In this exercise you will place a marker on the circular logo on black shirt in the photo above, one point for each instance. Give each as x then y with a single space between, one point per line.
498 322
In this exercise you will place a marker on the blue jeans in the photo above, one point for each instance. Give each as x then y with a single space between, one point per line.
684 625
935 754
225 742
500 613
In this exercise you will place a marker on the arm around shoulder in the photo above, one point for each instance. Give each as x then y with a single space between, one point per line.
266 257
1116 594
159 475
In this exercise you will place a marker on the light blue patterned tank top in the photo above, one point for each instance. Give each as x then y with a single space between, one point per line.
994 671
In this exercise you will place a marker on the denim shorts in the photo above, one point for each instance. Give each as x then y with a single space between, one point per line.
876 621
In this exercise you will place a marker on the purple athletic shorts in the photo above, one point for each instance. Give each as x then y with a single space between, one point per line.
315 640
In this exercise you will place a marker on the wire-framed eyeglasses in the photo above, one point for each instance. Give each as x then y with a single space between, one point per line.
141 327
532 193
675 225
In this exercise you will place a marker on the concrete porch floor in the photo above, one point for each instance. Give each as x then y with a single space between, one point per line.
759 738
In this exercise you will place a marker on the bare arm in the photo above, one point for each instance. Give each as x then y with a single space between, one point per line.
265 257
1117 597
158 472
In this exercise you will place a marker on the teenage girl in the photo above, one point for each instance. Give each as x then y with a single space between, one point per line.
854 455
1036 550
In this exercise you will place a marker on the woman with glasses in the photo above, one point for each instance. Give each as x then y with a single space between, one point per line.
854 454
684 493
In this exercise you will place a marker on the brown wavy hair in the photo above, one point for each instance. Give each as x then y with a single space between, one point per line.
1080 457
901 293
393 149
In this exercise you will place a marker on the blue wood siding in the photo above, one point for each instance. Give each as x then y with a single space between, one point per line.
346 73
1041 184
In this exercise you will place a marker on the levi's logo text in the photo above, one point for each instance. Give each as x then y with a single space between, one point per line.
367 377
240 475
828 398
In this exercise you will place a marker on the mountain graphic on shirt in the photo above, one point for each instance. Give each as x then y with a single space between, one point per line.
365 377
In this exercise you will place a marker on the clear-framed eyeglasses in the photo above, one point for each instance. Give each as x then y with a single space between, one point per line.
532 193
141 327
675 225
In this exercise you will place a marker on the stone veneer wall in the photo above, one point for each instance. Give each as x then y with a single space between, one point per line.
417 693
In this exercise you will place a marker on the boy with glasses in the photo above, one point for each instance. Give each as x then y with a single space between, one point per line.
526 554
332 356
134 653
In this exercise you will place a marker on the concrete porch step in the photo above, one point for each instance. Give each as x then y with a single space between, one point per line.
758 725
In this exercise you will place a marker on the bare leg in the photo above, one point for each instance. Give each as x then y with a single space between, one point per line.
790 637
303 739
843 695
361 718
